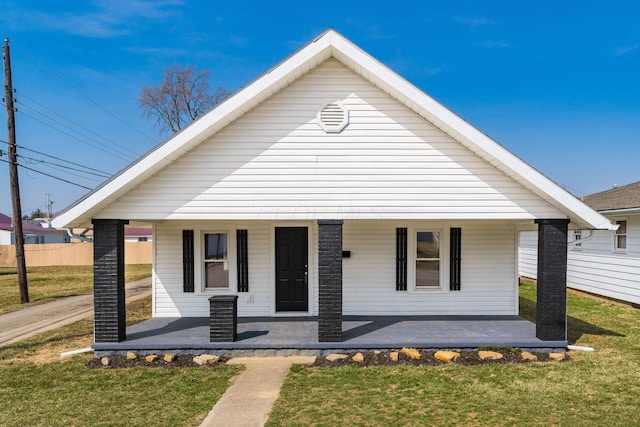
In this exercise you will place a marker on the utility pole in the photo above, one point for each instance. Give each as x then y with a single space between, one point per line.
49 206
13 175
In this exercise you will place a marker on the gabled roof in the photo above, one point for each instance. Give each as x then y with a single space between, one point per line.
327 45
617 198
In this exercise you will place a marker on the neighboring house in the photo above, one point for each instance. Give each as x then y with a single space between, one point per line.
33 233
602 262
330 186
133 234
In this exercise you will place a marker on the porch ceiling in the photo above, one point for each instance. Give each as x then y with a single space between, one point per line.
191 334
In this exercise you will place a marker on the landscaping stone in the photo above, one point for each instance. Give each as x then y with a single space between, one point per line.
105 361
150 358
131 355
556 356
335 356
169 357
205 359
376 352
411 352
358 357
446 356
529 356
394 356
489 355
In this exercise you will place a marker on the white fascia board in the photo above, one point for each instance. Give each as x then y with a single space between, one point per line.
624 211
273 81
465 133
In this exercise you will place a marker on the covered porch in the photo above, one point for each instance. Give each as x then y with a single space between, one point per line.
269 335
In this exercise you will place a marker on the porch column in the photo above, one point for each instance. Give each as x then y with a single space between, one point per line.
330 280
551 308
108 280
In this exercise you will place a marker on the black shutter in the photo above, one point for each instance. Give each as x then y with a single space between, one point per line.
187 260
243 261
454 259
401 259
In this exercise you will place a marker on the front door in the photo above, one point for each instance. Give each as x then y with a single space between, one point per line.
292 288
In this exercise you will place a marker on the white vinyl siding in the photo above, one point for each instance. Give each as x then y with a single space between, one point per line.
488 271
276 162
596 268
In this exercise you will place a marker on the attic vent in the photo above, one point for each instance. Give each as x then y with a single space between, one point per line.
333 117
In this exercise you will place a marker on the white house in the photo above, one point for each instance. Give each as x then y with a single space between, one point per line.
331 186
33 234
602 262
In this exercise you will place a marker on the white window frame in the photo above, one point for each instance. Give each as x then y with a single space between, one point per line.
443 259
231 262
616 248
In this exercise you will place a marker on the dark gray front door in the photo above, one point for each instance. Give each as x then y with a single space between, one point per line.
292 288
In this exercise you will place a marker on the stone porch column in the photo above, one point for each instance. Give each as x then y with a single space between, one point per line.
330 280
108 280
551 308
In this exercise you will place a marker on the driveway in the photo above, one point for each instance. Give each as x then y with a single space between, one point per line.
29 321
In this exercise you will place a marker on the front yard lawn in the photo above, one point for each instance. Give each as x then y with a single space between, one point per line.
599 388
48 283
38 388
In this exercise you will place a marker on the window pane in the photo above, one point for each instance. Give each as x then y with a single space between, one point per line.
622 229
428 273
215 246
621 242
428 244
217 275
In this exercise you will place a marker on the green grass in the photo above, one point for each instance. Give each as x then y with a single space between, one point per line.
67 393
38 388
593 389
48 283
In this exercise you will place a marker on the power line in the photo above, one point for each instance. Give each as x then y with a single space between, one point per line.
76 138
72 122
64 167
84 95
49 175
58 158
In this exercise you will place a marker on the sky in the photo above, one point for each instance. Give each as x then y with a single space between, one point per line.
555 82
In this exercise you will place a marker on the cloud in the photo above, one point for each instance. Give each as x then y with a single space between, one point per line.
472 22
622 50
432 71
370 32
107 18
494 44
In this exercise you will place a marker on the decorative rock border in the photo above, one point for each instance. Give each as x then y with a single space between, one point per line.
419 357
166 361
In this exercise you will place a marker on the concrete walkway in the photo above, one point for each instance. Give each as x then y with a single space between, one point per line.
248 402
29 321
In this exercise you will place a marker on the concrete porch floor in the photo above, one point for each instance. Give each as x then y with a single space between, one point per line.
277 334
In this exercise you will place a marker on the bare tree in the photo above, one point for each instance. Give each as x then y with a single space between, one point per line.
182 97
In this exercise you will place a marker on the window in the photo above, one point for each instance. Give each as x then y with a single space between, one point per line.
143 239
620 238
216 261
428 259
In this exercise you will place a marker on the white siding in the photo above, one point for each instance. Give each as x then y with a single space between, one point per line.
594 266
276 163
528 254
488 270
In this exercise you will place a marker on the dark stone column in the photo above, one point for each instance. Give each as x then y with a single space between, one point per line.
108 280
551 308
223 318
330 280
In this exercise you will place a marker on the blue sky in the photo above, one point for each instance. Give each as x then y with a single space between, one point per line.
554 82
